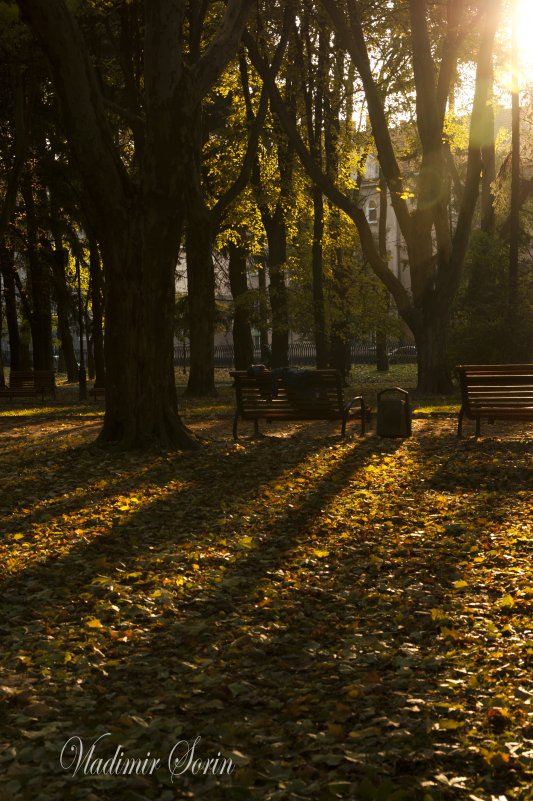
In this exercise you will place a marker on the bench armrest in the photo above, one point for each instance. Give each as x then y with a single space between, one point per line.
362 408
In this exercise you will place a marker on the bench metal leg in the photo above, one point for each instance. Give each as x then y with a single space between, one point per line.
478 426
460 423
234 423
346 414
256 426
363 417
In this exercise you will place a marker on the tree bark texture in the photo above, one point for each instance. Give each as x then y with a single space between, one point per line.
2 377
243 346
64 311
319 312
7 266
201 302
277 289
39 282
382 359
97 303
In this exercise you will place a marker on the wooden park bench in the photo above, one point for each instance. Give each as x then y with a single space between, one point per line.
495 392
30 384
283 395
97 392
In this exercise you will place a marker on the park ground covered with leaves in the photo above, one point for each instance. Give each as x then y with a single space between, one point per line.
339 618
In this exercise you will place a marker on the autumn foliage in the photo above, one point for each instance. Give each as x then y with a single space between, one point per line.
342 619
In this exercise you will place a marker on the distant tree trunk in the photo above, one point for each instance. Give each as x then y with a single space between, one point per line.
87 324
263 315
7 266
64 311
277 256
340 346
39 275
488 158
382 359
319 314
201 302
243 345
514 233
315 92
58 260
97 307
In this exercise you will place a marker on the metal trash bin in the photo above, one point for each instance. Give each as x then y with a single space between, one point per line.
394 414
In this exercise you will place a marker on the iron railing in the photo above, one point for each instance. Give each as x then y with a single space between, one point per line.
300 354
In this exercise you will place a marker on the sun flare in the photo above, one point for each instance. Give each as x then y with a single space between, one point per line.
525 39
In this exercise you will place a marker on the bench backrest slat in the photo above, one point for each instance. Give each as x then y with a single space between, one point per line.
496 386
320 394
32 379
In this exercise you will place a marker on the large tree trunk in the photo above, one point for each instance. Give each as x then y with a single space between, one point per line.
431 340
243 345
141 401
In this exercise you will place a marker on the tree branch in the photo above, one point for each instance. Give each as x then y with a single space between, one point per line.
329 188
216 56
351 34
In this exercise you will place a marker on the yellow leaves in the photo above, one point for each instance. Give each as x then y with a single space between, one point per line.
451 634
94 623
507 602
369 731
496 759
448 724
246 542
498 713
353 690
460 585
320 553
335 729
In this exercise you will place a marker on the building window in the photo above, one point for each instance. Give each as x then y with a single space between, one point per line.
372 211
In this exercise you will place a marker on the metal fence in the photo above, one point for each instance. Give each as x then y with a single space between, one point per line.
300 354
